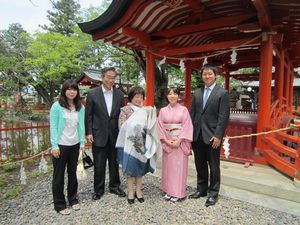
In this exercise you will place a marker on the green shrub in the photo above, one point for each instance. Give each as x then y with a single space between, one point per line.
10 167
13 192
36 174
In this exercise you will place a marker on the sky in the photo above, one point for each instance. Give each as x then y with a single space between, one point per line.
31 13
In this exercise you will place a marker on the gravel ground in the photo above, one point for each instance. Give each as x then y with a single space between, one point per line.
35 206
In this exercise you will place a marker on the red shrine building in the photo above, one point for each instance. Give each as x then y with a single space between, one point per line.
232 34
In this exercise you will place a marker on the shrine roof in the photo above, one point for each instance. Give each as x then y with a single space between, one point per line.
195 29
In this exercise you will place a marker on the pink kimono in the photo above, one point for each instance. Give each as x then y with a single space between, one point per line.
175 122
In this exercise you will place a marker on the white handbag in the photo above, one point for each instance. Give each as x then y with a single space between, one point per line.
80 172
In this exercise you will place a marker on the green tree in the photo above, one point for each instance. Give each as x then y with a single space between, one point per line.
52 59
63 17
13 50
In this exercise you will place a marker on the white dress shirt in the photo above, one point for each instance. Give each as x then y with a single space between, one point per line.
108 96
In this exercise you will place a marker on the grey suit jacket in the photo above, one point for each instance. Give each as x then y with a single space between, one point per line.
213 119
97 120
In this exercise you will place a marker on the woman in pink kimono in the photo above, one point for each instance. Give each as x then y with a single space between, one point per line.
176 134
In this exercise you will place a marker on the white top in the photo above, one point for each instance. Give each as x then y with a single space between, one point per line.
108 96
69 135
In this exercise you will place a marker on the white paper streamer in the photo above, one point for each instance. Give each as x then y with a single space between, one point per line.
182 66
226 147
22 175
233 56
161 62
205 61
43 167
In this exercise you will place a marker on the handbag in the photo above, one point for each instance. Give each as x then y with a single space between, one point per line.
87 161
80 171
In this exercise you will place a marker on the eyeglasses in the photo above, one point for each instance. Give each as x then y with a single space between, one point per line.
106 69
110 78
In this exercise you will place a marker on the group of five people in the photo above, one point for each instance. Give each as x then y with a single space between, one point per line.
133 136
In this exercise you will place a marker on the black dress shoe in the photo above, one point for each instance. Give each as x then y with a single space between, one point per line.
211 201
141 200
130 201
118 191
96 196
198 194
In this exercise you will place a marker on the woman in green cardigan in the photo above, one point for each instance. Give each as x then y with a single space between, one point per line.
67 139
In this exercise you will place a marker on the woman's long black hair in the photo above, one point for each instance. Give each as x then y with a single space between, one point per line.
63 100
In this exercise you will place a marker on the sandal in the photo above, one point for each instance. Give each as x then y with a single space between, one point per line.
65 211
76 207
167 197
174 199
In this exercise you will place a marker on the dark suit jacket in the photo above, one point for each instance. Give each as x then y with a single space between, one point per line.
213 119
97 120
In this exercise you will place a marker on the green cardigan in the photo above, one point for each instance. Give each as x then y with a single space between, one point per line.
57 122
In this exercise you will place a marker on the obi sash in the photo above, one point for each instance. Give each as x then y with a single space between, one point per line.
173 129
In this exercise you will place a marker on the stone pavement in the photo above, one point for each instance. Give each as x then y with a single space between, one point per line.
258 184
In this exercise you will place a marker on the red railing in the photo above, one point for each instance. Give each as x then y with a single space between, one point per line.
23 142
282 149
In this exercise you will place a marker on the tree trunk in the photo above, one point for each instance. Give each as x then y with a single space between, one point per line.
161 80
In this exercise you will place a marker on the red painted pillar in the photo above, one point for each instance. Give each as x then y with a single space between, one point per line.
279 75
188 86
150 78
286 84
291 89
227 81
265 78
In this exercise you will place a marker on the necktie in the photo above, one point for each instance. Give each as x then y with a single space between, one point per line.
207 90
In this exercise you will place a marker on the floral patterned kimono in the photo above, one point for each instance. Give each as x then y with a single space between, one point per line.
138 142
175 123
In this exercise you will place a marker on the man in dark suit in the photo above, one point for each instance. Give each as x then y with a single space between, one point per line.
101 123
210 116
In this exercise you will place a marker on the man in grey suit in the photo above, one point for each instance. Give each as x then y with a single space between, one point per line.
210 116
101 123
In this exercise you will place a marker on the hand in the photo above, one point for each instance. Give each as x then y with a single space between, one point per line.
55 153
176 143
82 149
90 138
215 142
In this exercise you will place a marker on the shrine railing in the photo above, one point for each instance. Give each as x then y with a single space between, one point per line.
22 142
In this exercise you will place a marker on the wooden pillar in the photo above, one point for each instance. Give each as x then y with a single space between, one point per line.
291 97
227 81
188 86
150 78
279 75
286 84
265 79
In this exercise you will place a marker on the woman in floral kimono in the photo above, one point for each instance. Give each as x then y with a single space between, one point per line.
176 134
137 142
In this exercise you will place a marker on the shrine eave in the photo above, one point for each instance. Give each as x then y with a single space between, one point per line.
114 12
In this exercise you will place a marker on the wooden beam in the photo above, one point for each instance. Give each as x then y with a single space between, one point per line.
141 37
203 26
263 13
211 47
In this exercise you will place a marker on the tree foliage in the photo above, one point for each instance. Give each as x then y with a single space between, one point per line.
63 17
52 59
13 51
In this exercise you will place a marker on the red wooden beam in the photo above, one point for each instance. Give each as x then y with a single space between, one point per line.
263 13
205 25
140 36
210 47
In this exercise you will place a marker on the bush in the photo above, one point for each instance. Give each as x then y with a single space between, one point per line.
15 191
10 167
